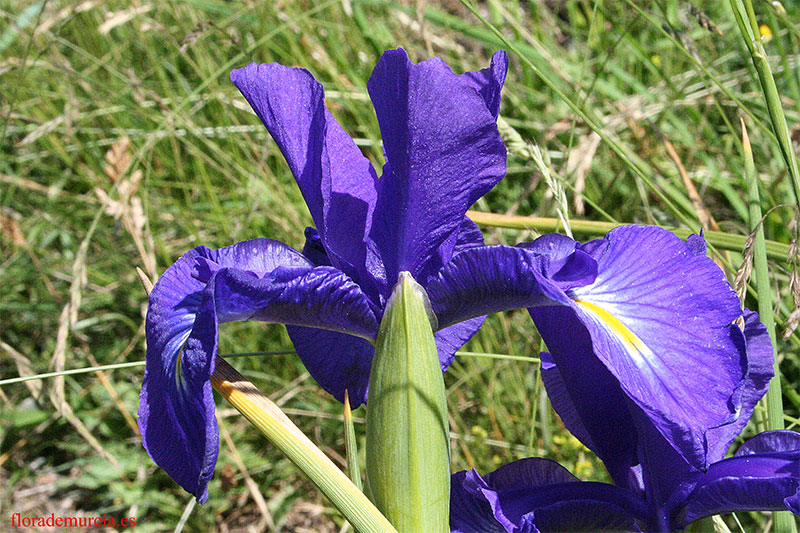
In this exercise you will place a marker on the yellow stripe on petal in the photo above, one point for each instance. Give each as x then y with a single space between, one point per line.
614 324
178 364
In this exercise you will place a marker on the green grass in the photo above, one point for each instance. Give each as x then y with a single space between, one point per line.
72 84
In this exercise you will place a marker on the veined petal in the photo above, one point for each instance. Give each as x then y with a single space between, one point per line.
539 495
470 511
337 181
564 262
488 279
748 482
320 296
755 342
583 392
659 315
451 338
443 151
468 236
779 441
338 362
562 402
259 279
489 81
176 417
176 408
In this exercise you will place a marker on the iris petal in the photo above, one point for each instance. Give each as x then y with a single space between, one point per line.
540 495
583 392
489 279
338 362
451 338
753 482
443 152
470 512
754 341
337 181
659 315
320 296
771 442
270 282
176 416
489 81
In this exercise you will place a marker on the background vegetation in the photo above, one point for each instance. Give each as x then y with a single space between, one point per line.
123 144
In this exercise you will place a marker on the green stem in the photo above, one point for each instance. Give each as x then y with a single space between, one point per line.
288 438
784 523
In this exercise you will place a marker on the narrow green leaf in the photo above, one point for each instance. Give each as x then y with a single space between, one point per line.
408 456
784 522
748 27
351 446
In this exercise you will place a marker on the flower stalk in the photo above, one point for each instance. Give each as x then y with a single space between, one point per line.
288 438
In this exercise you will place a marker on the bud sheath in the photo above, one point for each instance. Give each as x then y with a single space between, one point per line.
408 456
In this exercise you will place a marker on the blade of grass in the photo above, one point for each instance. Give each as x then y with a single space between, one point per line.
117 366
751 37
784 523
132 364
351 445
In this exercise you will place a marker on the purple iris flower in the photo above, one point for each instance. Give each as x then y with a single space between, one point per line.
443 152
636 370
654 312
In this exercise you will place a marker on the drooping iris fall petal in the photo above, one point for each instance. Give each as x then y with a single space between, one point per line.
259 279
656 309
651 304
658 486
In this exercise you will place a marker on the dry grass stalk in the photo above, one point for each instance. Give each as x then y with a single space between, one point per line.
25 369
127 208
9 227
57 396
794 280
579 161
516 144
252 487
11 231
703 214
